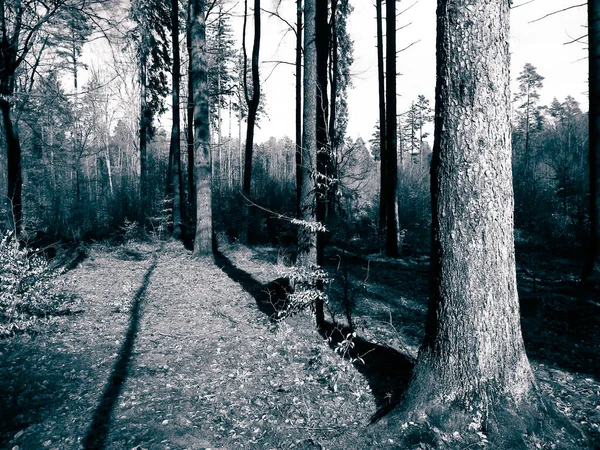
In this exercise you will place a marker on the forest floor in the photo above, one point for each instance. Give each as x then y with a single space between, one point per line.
165 351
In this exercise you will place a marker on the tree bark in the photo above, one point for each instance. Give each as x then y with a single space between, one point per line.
307 239
202 157
391 245
144 117
473 360
190 125
323 143
382 130
594 132
298 104
13 165
252 102
175 129
333 137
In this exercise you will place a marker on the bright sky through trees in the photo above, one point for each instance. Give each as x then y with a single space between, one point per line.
540 43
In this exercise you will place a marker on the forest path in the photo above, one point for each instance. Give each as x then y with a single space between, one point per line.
171 353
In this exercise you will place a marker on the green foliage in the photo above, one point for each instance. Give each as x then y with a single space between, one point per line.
28 287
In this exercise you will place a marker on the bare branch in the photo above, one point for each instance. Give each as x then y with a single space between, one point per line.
522 4
558 11
408 46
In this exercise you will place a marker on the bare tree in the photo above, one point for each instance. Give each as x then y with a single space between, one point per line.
382 129
253 102
391 170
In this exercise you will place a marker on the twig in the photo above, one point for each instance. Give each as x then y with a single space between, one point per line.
522 4
558 11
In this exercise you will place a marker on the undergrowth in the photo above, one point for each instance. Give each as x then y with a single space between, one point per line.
29 289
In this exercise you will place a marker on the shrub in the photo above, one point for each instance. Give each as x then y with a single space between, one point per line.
28 287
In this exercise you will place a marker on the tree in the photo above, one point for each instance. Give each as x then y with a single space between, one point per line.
307 240
252 101
529 116
202 157
594 131
323 143
71 29
191 185
391 170
424 116
175 153
340 61
472 363
220 75
20 26
298 105
152 19
382 129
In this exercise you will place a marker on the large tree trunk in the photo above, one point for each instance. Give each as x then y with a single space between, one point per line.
382 130
204 227
298 104
391 170
13 165
472 363
594 130
253 102
175 129
307 240
323 148
190 125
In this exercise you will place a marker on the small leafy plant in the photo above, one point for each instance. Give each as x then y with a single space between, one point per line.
304 281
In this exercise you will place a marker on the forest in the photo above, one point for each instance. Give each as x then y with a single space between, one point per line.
172 279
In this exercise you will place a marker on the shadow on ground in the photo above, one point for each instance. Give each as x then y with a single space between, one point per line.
270 297
29 390
97 433
386 370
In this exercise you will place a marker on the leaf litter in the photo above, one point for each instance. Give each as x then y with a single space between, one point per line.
208 369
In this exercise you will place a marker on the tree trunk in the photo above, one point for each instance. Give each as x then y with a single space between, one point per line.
202 156
333 137
472 363
298 104
13 165
391 244
382 130
144 116
307 239
190 125
175 129
252 102
594 131
323 148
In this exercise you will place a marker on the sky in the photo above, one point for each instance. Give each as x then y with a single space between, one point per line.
540 43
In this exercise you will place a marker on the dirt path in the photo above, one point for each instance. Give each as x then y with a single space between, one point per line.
170 353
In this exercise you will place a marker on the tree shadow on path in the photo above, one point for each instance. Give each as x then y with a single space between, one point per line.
270 297
386 370
97 434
